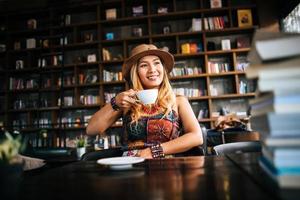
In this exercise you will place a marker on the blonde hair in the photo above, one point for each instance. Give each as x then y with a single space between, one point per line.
166 97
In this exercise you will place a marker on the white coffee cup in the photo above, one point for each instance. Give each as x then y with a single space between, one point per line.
147 96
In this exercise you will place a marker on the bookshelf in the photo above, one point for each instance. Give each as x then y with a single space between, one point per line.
62 63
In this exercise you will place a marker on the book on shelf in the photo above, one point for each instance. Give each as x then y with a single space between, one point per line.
183 71
269 102
272 47
112 76
226 45
182 68
111 13
188 92
241 64
67 19
218 65
30 43
68 101
278 46
276 124
196 24
215 23
203 113
187 88
280 87
137 32
89 99
243 89
108 96
286 68
137 11
86 119
278 69
282 141
185 48
282 157
106 55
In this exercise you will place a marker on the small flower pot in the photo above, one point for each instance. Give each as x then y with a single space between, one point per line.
80 151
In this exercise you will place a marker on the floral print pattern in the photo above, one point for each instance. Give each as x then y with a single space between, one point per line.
152 129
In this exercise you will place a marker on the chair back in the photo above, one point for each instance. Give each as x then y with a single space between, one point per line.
105 153
237 147
198 150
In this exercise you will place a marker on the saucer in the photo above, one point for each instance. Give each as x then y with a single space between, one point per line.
120 163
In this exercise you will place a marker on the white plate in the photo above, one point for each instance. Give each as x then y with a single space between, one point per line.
124 162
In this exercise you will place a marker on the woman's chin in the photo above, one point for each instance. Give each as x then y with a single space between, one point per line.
151 85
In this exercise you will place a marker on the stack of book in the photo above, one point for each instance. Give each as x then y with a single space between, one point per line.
275 62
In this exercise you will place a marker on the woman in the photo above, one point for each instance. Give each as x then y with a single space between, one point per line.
156 129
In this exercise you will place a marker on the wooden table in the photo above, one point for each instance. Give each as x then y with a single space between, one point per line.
211 177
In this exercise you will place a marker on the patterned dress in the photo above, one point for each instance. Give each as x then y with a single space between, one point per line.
152 129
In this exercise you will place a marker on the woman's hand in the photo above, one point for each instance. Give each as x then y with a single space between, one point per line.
126 99
145 153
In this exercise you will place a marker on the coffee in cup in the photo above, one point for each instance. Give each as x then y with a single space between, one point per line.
147 96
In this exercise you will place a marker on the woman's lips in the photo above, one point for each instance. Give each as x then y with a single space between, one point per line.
152 77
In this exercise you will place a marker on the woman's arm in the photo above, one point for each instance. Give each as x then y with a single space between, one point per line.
106 116
192 132
102 120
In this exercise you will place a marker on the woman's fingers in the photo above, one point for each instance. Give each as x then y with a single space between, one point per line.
131 93
126 99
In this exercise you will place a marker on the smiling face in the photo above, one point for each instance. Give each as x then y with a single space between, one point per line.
151 71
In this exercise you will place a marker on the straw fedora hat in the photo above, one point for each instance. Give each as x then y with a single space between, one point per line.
145 50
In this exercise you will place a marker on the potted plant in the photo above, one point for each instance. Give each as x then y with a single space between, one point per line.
11 167
9 148
80 146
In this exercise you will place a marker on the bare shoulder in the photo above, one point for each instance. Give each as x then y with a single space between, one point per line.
181 101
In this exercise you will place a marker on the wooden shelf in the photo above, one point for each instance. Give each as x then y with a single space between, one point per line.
81 45
89 17
29 31
229 96
23 91
49 108
124 21
113 83
88 85
188 77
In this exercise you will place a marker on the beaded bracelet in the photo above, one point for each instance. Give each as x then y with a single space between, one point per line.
157 151
114 104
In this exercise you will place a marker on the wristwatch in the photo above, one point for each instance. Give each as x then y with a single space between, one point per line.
113 104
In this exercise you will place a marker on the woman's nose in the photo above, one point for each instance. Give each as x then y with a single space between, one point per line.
152 67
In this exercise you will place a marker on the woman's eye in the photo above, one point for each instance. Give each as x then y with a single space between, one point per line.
157 63
142 66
